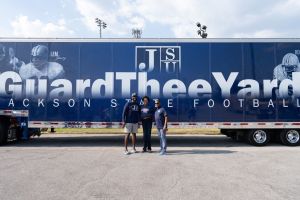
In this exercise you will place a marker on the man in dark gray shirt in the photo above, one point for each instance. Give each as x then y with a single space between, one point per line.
161 120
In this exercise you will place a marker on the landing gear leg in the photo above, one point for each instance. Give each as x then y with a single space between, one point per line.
24 128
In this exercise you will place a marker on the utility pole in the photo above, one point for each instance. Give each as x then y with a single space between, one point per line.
137 33
101 25
202 30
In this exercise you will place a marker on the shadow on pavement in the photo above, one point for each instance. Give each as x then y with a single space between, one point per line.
194 151
117 140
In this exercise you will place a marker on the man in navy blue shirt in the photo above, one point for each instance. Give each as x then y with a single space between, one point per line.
147 112
131 118
161 120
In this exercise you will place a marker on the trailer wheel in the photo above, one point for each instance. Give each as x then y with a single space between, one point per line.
3 133
290 137
258 137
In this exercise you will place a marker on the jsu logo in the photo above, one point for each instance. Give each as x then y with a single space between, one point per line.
162 58
134 108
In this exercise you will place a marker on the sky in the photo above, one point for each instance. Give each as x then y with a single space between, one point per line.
156 18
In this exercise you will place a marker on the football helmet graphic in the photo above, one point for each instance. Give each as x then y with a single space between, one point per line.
39 55
290 63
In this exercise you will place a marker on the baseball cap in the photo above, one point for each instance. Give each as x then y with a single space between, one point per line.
134 95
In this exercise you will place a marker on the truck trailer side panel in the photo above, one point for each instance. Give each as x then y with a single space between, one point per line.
224 83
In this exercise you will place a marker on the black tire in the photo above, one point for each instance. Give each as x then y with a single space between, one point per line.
290 137
258 137
3 133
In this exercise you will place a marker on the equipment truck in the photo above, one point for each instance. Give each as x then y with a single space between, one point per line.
248 88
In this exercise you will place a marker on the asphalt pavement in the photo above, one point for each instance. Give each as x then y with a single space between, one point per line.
195 167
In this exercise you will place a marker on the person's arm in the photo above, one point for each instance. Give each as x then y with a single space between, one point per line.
166 123
140 113
153 114
166 120
124 114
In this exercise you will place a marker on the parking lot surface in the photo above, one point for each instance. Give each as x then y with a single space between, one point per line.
195 167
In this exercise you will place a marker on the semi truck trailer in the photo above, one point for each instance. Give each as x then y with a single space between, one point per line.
247 88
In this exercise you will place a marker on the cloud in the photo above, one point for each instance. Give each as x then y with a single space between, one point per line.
120 15
259 34
226 18
24 27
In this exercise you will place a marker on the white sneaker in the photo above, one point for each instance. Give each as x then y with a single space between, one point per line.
134 151
126 152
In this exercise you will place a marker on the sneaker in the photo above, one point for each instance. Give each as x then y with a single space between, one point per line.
162 153
144 150
134 151
126 152
149 150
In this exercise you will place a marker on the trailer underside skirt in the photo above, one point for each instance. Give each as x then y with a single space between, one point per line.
221 125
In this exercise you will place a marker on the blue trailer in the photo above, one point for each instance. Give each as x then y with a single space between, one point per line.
248 88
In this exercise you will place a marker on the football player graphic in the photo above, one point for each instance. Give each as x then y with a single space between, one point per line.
40 67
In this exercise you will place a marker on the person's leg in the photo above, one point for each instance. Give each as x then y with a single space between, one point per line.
149 134
144 124
134 131
164 140
133 141
145 134
126 141
160 142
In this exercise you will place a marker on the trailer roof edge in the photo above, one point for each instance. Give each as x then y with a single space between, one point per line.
152 40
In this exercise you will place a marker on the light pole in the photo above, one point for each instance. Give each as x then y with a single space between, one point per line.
137 33
101 25
202 30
